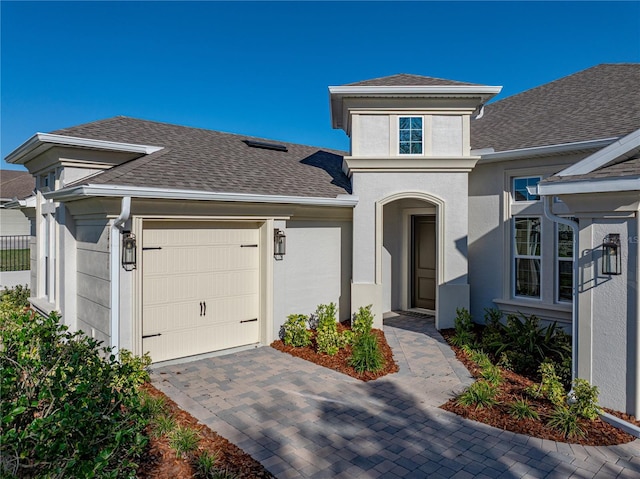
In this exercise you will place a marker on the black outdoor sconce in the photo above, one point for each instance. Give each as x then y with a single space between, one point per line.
128 250
611 254
279 243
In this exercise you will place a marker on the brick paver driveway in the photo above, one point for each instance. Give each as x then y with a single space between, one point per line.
302 420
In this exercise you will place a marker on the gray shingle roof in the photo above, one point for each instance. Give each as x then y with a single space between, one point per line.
405 79
16 184
207 160
600 102
624 169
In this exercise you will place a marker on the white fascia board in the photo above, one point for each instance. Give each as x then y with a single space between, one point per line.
29 202
414 90
625 146
338 93
43 141
84 191
543 150
608 185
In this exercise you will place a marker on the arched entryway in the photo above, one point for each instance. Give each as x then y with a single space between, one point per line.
409 236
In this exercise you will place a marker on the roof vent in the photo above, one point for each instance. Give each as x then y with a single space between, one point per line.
265 146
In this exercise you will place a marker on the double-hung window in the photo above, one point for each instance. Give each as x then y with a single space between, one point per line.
564 262
527 256
410 133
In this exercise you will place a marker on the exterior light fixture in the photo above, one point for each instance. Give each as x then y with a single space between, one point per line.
611 254
128 250
279 243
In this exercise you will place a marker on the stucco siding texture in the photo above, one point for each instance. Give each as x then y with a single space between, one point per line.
212 161
596 103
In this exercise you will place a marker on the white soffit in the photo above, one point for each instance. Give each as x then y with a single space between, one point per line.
490 156
41 142
608 185
624 148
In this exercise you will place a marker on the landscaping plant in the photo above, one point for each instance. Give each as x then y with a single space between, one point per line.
480 394
521 409
584 401
183 440
69 408
366 354
464 329
294 331
565 421
327 338
362 321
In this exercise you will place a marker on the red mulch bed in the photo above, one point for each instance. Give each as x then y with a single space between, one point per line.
160 461
340 361
597 432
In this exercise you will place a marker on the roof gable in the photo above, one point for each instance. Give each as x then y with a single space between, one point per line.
596 103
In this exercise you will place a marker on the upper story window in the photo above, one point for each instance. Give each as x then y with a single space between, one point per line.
410 135
520 192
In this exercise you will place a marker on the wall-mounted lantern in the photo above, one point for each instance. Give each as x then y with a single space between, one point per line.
128 250
279 243
611 254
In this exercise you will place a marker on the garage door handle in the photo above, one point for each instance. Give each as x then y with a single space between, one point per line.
200 308
249 320
151 247
248 246
205 308
151 335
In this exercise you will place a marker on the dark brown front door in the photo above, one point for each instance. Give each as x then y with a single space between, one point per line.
424 262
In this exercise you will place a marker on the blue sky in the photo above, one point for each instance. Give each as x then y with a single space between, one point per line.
263 68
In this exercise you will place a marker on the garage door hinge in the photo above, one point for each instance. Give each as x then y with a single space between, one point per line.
248 246
151 335
249 320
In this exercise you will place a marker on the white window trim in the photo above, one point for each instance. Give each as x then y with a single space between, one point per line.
398 131
515 256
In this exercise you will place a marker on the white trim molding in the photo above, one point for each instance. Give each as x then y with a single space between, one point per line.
41 142
84 191
589 186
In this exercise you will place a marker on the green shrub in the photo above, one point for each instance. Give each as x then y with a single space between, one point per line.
327 337
163 425
550 386
153 406
362 321
206 465
347 337
69 408
12 302
584 402
464 329
492 374
525 343
480 394
183 440
521 409
294 331
566 422
366 354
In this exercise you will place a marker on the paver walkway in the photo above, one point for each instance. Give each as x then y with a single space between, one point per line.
304 421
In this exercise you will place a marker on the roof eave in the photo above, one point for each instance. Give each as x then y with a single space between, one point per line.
492 157
41 142
605 185
338 93
119 191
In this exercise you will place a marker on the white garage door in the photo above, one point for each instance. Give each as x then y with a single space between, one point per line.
200 287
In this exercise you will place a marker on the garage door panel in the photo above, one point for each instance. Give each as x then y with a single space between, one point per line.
214 265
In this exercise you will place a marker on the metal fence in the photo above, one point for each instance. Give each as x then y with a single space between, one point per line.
14 253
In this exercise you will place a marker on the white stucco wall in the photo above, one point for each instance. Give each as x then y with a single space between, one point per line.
450 189
315 270
13 222
446 135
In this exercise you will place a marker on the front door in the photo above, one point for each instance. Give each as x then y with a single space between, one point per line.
424 262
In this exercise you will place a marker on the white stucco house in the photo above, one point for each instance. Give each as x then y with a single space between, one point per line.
162 238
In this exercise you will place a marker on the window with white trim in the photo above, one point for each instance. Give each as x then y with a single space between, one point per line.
410 134
527 247
564 262
520 191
